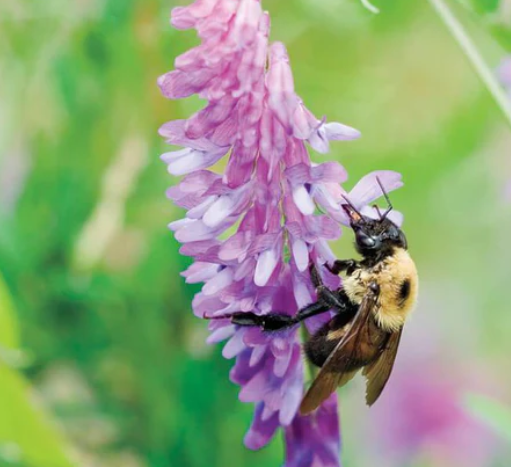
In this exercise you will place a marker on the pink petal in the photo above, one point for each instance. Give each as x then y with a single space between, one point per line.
262 430
198 211
218 211
266 264
177 84
395 216
300 254
194 231
218 282
235 247
338 131
200 272
258 352
367 189
234 346
324 251
256 388
292 402
188 160
281 365
220 334
303 200
328 172
179 224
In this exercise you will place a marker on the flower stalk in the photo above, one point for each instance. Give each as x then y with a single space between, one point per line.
369 6
467 45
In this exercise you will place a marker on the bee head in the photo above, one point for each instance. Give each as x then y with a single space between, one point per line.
375 237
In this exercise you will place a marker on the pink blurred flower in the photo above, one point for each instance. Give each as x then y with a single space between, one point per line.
504 73
267 200
421 414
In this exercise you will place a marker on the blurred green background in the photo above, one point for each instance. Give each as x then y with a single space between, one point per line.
101 360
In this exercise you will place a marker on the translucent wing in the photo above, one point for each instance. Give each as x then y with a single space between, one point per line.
378 372
329 376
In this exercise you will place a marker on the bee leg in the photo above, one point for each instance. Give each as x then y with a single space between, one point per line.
333 299
274 321
312 310
340 265
315 277
268 322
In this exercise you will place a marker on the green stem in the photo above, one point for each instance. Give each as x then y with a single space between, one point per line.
367 4
485 73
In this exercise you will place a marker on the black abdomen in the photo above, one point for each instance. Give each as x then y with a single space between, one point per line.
319 346
360 349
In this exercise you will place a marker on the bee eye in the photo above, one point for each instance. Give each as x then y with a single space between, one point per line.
393 234
366 242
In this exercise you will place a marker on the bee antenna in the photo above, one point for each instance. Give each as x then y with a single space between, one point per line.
351 205
386 199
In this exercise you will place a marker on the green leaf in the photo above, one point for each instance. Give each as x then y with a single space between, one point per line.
9 331
489 17
486 6
491 412
502 33
26 436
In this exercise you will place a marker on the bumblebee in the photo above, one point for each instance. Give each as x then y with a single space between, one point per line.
377 294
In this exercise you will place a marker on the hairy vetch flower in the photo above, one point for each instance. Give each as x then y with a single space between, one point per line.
254 229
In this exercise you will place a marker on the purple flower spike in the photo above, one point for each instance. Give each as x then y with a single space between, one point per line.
313 440
253 230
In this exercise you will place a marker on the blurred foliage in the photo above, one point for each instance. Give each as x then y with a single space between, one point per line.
493 413
118 357
27 439
487 6
495 16
9 329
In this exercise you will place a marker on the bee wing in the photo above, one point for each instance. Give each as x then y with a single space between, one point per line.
329 378
378 372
